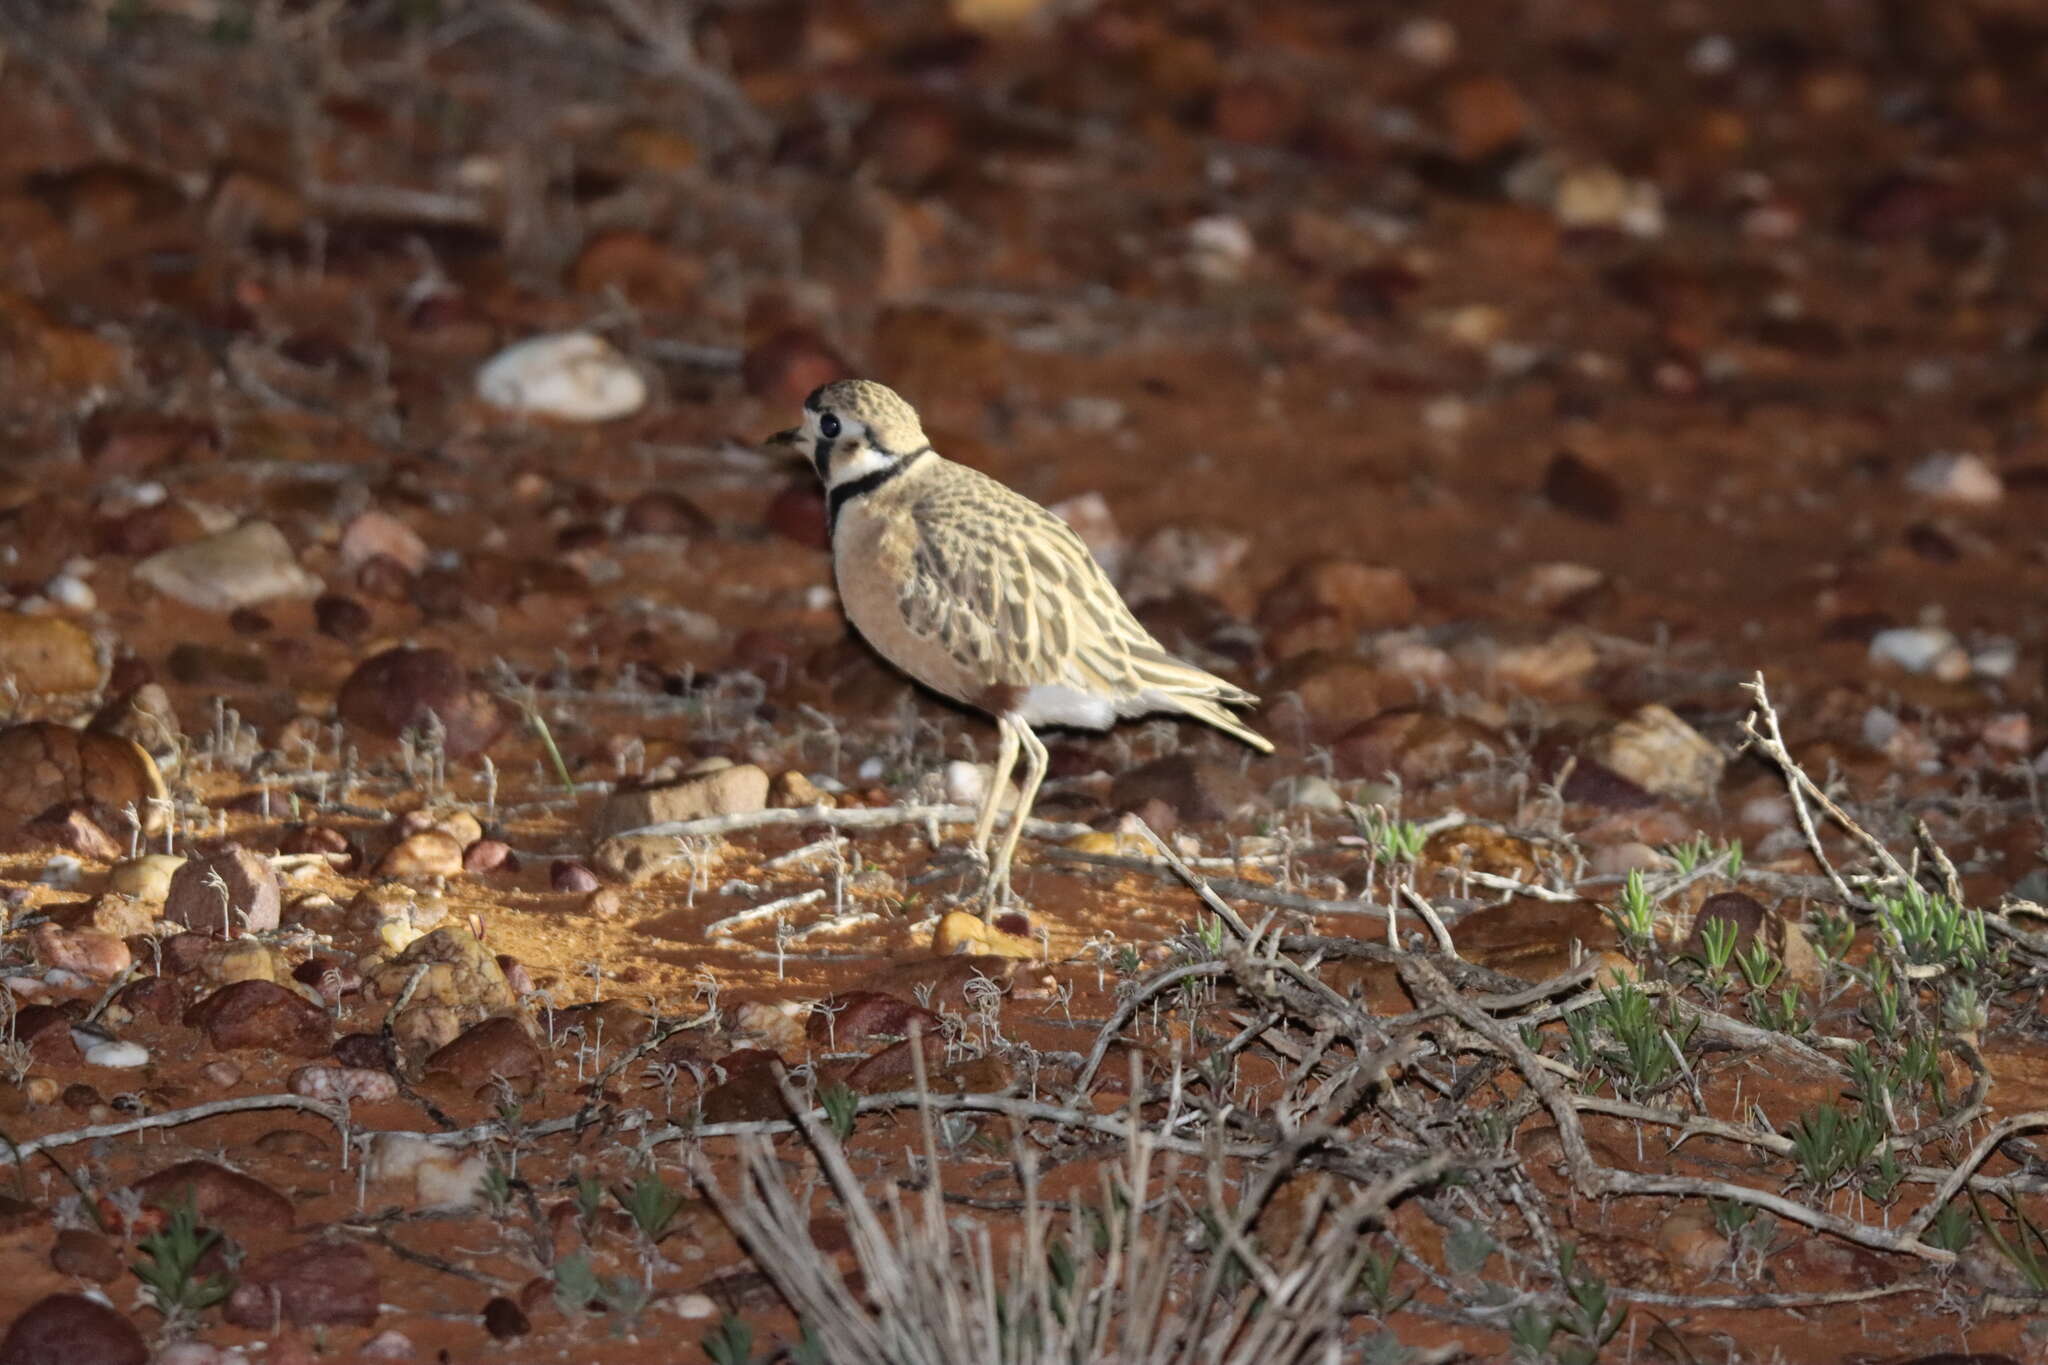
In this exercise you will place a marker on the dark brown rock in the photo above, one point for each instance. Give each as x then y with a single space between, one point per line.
309 1285
568 875
341 617
364 1051
749 1092
74 1330
488 855
85 1254
252 903
155 996
505 1320
496 1050
262 1014
852 1021
663 512
1573 485
398 690
1419 746
46 1031
221 1198
1745 913
1197 789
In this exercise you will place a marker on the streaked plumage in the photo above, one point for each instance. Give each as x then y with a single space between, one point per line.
984 596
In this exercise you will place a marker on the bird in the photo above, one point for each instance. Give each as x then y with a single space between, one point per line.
982 595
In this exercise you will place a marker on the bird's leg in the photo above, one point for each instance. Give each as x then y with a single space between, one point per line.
1036 761
992 799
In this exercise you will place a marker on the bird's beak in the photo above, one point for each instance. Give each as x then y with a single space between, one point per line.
792 441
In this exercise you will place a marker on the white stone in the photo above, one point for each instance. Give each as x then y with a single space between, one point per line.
1917 649
693 1306
1957 477
1220 247
71 593
1308 791
116 1053
243 567
1996 660
575 376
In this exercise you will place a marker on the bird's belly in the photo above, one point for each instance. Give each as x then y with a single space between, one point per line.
1052 704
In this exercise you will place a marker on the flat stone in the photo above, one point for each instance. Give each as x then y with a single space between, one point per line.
408 689
739 790
313 1284
43 764
48 655
244 567
496 1050
262 1014
220 1197
1660 753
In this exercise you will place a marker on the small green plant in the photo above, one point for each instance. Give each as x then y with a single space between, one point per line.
1717 949
589 1199
1831 1146
2027 1249
1833 936
1376 1284
1882 1184
1780 1013
1760 965
1629 1039
1529 1332
1590 1317
807 1349
842 1108
1731 1216
576 1286
1210 935
170 1271
1883 1006
1690 854
1952 1228
1929 929
625 1299
730 1343
652 1205
497 1187
1635 915
1467 1248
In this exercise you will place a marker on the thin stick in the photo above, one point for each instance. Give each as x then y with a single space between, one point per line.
764 911
173 1118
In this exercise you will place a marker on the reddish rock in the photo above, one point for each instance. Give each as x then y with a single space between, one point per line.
909 140
749 1092
85 1254
398 690
261 1014
253 896
498 1049
505 1320
1257 109
309 1285
895 1066
362 1051
1745 914
430 853
787 366
1324 603
849 1022
1420 746
45 1030
662 512
124 441
568 875
1195 788
488 855
375 534
237 1203
1482 115
798 513
155 996
74 1330
92 953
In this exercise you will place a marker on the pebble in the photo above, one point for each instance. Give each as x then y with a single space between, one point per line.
573 376
1660 753
46 655
74 1329
1959 478
243 567
402 689
1220 248
1427 41
1929 650
118 1054
737 790
1307 791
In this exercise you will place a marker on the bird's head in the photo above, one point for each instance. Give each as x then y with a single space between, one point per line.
854 428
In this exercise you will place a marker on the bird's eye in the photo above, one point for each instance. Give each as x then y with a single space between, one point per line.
829 426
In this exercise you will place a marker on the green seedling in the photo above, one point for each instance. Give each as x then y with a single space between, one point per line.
652 1204
576 1286
1952 1228
730 1343
1929 929
1634 916
841 1103
1831 1146
1376 1285
2027 1250
170 1269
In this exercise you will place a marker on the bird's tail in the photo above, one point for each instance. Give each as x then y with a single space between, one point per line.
1182 687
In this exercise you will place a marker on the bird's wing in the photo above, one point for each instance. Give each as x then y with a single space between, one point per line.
1012 594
